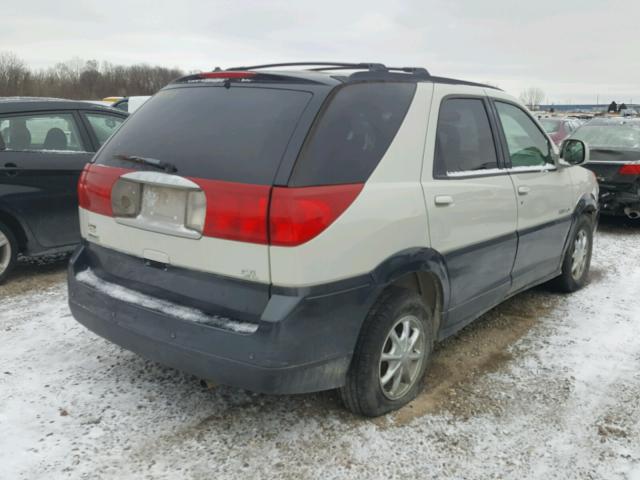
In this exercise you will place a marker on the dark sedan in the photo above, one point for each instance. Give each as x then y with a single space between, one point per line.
614 147
44 145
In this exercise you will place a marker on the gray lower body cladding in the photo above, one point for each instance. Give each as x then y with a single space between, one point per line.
303 339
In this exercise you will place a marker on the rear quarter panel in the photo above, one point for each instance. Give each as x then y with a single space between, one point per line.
387 217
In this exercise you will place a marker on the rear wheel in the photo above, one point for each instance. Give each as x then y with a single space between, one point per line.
391 355
577 260
8 251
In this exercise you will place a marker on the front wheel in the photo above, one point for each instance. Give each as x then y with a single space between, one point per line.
391 355
577 260
8 251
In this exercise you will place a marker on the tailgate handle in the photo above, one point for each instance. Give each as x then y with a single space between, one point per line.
11 169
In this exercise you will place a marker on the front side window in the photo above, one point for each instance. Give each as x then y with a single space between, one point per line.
103 125
464 142
43 132
528 147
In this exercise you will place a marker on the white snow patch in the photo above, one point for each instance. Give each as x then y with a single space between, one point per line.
163 306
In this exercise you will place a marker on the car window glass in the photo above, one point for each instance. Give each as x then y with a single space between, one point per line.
103 125
41 132
528 147
353 134
464 142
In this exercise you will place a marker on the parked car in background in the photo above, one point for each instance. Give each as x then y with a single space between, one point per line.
99 102
559 128
294 231
44 145
130 104
614 145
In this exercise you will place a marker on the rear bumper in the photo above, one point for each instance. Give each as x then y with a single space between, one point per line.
614 199
303 342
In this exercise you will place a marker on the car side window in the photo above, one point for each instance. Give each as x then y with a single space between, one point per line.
103 125
528 147
41 132
464 142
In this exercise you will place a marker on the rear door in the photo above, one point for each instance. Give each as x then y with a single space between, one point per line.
544 194
39 168
470 201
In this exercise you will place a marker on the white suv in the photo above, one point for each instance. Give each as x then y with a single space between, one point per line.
289 231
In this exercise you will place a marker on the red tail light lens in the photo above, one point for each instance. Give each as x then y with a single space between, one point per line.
299 214
630 169
235 211
94 187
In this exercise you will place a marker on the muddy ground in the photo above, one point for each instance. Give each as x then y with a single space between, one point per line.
543 386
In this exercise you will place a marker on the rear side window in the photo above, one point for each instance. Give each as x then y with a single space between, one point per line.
353 133
464 142
41 132
236 134
103 125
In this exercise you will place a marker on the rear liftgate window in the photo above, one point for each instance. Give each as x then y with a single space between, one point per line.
236 134
352 134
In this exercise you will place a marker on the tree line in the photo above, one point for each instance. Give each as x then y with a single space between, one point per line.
81 79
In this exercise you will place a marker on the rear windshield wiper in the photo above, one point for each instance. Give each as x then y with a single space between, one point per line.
153 162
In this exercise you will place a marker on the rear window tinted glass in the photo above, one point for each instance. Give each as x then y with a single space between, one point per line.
464 142
353 133
236 134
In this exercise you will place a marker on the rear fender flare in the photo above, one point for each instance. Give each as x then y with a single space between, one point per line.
415 260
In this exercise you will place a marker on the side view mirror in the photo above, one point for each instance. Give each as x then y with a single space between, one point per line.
574 152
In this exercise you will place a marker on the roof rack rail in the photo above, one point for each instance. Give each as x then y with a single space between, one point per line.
323 65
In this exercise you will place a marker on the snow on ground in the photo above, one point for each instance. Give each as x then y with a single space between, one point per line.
544 386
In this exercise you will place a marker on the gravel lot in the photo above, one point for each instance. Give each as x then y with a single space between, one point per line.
544 386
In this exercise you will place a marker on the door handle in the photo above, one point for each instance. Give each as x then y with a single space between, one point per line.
523 190
11 169
443 200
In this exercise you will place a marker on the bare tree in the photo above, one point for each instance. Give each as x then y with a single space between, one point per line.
532 97
14 75
81 79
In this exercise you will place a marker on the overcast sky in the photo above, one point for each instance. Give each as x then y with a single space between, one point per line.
573 50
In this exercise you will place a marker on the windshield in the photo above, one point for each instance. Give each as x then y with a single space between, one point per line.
550 126
234 134
621 136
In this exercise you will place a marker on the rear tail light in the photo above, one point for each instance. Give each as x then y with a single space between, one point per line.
235 211
300 214
224 75
95 186
630 169
261 214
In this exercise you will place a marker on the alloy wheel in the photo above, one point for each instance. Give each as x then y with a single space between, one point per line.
402 357
580 254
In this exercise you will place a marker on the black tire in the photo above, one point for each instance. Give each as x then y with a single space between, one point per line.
568 281
8 252
363 393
